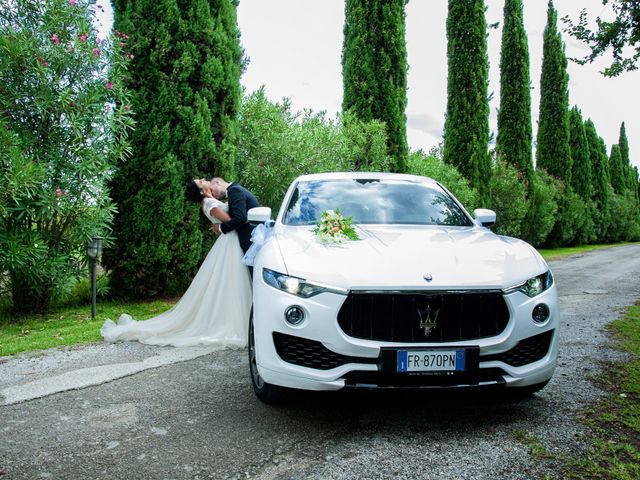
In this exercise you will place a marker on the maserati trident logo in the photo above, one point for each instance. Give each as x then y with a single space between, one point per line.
428 319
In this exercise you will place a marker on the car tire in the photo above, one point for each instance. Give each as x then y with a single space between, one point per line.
264 391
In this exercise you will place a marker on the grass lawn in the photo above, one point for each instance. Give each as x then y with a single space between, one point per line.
70 325
557 253
615 449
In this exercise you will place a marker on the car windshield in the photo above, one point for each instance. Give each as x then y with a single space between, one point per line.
374 201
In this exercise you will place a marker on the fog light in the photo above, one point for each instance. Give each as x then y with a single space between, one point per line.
540 313
294 315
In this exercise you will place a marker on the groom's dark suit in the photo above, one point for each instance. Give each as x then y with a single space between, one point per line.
241 201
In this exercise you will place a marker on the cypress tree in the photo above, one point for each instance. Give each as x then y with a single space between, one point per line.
514 118
374 69
466 129
617 172
185 80
623 142
581 172
552 151
600 179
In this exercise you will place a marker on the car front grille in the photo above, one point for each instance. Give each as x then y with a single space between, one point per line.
310 353
423 317
526 351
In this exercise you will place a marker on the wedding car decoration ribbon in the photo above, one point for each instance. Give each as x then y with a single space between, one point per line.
333 227
259 237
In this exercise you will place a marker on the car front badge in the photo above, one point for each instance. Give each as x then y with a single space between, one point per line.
427 322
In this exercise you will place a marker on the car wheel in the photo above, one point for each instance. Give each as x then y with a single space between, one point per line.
264 391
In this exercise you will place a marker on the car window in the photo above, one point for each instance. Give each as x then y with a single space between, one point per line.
374 202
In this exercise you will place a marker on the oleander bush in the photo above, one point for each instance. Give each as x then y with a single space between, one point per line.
64 120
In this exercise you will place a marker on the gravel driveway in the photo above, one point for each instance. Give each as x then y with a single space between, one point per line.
191 413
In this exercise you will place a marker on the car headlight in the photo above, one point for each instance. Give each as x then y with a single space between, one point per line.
296 286
534 286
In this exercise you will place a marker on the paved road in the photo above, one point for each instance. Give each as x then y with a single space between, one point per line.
198 418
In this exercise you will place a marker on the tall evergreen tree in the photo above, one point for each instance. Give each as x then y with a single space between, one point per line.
581 177
552 151
185 78
581 172
600 179
618 180
514 118
466 129
374 69
623 142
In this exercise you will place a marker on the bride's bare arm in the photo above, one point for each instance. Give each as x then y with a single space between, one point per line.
220 214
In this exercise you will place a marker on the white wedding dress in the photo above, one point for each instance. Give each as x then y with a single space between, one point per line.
214 310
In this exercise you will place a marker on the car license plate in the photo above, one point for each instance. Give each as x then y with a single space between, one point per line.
431 361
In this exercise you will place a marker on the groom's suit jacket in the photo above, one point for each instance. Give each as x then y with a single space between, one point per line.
241 201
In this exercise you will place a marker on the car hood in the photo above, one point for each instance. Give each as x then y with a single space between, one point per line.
400 257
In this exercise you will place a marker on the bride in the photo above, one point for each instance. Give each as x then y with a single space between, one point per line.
215 308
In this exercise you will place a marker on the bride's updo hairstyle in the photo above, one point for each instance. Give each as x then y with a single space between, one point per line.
193 192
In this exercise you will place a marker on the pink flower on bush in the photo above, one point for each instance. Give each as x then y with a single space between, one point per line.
55 39
131 56
96 52
83 37
72 3
109 86
58 192
126 108
122 44
107 108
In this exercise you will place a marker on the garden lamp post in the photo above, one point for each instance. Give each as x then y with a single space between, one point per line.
94 250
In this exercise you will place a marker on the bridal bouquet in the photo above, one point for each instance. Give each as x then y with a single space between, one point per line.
333 227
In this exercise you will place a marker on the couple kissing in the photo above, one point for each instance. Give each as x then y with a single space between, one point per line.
215 308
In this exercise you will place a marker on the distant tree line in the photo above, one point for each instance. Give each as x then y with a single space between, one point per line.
186 96
176 74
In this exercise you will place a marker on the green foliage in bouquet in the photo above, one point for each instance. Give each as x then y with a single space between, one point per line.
64 122
334 227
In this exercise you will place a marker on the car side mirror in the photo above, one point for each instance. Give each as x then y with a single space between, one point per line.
485 217
259 215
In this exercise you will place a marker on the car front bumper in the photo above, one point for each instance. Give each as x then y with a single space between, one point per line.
325 358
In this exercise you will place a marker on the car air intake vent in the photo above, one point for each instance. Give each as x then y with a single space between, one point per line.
312 354
424 317
526 351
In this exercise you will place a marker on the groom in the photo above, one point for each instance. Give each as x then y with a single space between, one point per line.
241 201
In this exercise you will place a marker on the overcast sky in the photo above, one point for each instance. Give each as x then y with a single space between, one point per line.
294 47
